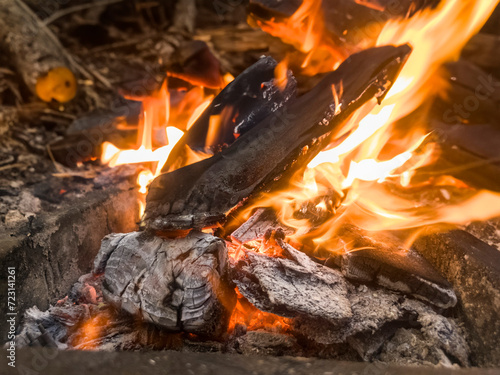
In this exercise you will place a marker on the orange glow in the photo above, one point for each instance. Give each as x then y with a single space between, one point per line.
306 31
253 319
280 74
91 330
158 117
372 152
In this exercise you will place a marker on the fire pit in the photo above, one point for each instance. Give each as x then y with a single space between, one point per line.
305 179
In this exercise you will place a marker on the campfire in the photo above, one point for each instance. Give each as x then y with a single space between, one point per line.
338 198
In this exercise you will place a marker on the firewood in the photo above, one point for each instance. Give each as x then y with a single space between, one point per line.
45 67
292 287
374 309
261 221
382 259
241 105
346 22
483 50
201 194
177 284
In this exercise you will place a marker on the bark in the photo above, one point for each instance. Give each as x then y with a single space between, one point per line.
177 284
201 194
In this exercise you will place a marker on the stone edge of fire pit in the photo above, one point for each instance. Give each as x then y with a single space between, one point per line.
473 267
56 248
53 362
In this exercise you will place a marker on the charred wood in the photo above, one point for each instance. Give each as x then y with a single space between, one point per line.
374 309
344 20
177 284
244 103
85 135
295 287
201 194
381 258
483 51
467 152
193 62
261 221
378 258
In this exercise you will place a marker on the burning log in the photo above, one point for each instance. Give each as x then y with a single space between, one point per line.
346 23
44 65
366 317
292 287
177 284
378 258
244 102
382 259
201 194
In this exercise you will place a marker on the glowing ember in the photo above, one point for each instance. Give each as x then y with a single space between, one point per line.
253 319
91 331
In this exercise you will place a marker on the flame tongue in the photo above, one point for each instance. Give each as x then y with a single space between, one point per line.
201 194
367 151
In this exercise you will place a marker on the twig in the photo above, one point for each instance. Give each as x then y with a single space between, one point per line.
10 166
77 8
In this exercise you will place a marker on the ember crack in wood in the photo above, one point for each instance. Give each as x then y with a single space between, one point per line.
201 194
177 284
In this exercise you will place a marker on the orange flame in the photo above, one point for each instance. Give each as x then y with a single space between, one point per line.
91 330
305 30
437 36
253 319
156 118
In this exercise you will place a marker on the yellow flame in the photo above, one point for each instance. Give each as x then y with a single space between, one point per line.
436 36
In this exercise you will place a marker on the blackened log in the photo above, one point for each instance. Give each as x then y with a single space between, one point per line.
292 287
177 284
85 135
487 231
468 152
473 267
465 128
483 50
383 259
201 194
35 52
245 102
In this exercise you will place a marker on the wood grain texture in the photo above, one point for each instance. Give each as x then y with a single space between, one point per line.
177 284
